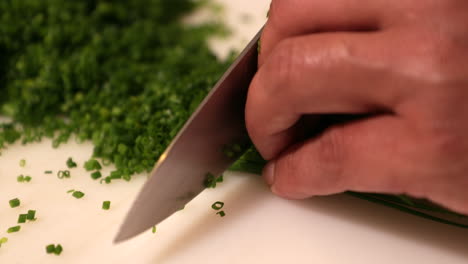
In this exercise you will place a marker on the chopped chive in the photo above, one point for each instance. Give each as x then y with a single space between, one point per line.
13 229
58 250
50 249
22 218
154 229
14 203
63 174
106 205
70 191
31 215
20 178
221 213
96 175
48 172
92 164
71 163
217 205
22 163
3 240
211 180
27 178
220 178
78 194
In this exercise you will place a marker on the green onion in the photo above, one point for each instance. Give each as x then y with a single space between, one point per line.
22 163
71 163
96 175
48 172
50 249
31 215
217 205
22 218
27 178
92 164
13 229
63 174
154 229
221 213
3 240
20 178
14 203
106 205
211 180
70 191
78 194
58 250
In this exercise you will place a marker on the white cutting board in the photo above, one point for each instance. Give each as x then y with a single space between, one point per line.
258 227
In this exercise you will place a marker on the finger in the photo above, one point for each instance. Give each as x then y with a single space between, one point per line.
317 74
372 155
288 18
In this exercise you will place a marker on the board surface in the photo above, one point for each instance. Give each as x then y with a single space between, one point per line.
258 227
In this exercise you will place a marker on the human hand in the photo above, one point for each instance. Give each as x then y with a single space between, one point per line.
403 62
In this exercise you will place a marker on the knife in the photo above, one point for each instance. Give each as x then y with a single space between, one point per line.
197 150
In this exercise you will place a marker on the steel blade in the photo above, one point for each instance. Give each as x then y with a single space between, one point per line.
180 173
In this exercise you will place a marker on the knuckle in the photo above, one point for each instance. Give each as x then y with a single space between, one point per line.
282 64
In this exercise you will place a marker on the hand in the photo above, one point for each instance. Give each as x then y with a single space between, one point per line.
404 63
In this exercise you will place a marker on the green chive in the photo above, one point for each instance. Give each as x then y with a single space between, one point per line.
14 203
217 205
71 163
58 250
3 240
92 164
211 180
221 213
78 194
22 218
31 215
22 163
27 178
63 174
50 249
106 205
20 178
48 172
13 229
96 175
70 191
154 229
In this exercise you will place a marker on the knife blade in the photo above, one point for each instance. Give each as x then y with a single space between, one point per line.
180 172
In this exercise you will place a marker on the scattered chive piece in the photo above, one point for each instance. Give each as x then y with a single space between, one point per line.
71 163
211 180
221 213
14 203
13 229
154 229
217 205
106 205
31 215
63 174
70 191
50 249
3 240
20 178
27 178
58 250
22 218
96 175
92 164
48 172
78 194
22 163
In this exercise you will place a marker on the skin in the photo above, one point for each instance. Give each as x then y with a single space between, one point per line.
403 64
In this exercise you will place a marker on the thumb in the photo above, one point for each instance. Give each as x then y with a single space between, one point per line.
369 155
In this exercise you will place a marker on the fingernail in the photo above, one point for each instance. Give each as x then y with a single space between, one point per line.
269 172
